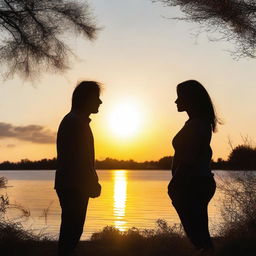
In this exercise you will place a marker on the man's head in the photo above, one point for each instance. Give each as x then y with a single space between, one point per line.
86 97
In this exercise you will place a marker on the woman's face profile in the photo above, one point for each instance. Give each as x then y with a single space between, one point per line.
181 102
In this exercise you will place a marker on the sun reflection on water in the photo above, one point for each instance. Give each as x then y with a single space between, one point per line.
120 194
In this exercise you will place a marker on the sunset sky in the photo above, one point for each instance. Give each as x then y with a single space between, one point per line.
139 56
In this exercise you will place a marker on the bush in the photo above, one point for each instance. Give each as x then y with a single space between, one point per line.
239 202
238 230
164 240
243 157
14 239
4 200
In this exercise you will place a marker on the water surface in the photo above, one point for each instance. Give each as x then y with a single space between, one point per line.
130 198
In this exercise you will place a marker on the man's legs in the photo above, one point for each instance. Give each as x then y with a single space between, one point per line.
73 205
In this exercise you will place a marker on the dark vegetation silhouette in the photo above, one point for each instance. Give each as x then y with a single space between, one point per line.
234 20
108 163
14 239
242 157
238 210
32 34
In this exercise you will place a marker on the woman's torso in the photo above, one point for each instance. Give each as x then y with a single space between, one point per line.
192 150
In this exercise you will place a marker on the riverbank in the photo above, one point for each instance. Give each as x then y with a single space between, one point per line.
237 231
163 241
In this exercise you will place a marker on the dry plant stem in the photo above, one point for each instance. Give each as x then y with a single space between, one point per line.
45 212
239 203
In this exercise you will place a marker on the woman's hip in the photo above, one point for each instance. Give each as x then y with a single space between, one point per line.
194 188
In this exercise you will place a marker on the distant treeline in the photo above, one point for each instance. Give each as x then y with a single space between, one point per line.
164 163
108 163
242 157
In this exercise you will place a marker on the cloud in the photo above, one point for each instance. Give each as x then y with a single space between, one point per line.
10 146
32 133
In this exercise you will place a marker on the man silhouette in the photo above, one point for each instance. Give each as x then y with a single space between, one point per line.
76 179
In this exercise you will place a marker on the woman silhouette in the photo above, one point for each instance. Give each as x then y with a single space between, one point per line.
192 185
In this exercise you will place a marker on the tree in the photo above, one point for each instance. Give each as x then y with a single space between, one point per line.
235 20
31 33
165 163
243 157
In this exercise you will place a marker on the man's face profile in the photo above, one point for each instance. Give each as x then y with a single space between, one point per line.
93 102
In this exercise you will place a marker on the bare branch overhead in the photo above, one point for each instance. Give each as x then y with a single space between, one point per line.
31 30
235 20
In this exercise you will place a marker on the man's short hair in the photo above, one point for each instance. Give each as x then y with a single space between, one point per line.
83 91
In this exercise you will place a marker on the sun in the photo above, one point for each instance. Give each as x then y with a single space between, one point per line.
125 120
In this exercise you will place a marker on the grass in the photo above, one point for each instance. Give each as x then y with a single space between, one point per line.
162 241
110 241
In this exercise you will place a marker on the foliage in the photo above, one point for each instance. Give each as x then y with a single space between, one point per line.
235 20
164 240
3 182
14 239
31 33
162 229
108 163
239 202
238 230
5 205
243 157
4 200
240 158
165 163
25 164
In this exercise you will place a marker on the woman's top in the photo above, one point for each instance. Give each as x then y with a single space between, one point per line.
192 150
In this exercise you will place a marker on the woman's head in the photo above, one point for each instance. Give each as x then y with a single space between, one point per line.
195 100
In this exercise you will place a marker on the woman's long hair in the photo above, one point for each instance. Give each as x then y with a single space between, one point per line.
199 101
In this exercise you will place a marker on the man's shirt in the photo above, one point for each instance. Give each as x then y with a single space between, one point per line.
75 154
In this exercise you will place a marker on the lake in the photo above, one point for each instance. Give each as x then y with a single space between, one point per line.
130 198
